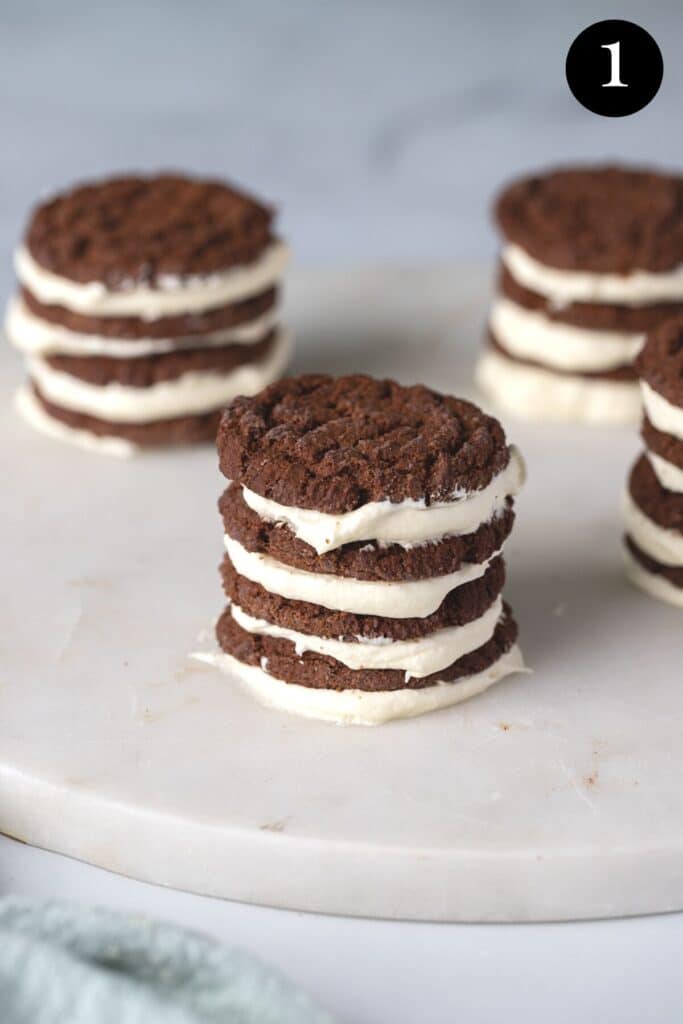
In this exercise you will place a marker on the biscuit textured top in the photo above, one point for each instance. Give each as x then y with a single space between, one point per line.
335 444
602 219
660 362
137 229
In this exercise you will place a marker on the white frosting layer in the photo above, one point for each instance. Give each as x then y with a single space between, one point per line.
172 295
405 522
416 658
34 414
661 413
639 288
532 393
532 335
394 600
34 336
655 586
669 476
191 393
665 546
361 707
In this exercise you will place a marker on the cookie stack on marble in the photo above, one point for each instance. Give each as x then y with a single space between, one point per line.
364 523
592 261
145 306
654 500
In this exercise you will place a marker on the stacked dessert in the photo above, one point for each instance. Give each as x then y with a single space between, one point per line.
593 259
145 306
654 502
364 523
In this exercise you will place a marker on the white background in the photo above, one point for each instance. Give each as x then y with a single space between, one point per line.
381 129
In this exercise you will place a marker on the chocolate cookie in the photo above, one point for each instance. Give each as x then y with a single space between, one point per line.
145 371
336 444
180 430
661 506
622 374
192 325
592 316
672 573
664 445
363 560
140 228
660 362
599 219
459 607
321 672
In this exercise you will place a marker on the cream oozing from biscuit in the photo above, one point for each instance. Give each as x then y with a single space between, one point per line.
35 336
653 584
37 417
188 394
534 393
407 522
528 334
417 658
663 545
637 288
669 476
361 707
662 414
172 294
395 600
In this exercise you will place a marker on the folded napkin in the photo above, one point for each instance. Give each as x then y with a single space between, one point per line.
63 964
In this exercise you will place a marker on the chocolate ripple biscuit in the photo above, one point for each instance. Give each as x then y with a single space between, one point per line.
364 560
601 219
333 445
319 671
141 228
467 603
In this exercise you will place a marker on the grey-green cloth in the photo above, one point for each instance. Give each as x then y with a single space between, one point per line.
63 964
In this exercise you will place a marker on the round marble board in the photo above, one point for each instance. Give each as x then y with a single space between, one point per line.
555 795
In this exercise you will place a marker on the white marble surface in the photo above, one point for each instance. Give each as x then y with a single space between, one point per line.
381 128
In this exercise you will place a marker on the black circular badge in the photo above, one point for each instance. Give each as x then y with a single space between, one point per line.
614 68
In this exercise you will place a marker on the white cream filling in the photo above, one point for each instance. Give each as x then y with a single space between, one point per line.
418 658
638 288
36 417
393 600
528 334
406 522
665 546
361 707
661 413
532 393
34 336
172 295
191 393
669 476
652 584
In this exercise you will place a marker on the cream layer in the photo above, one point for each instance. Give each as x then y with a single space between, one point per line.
191 393
417 658
669 476
393 600
527 334
638 288
532 393
665 546
661 413
173 295
652 584
361 707
34 336
36 416
407 522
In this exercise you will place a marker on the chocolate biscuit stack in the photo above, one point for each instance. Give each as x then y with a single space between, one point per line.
654 502
592 260
364 523
145 306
